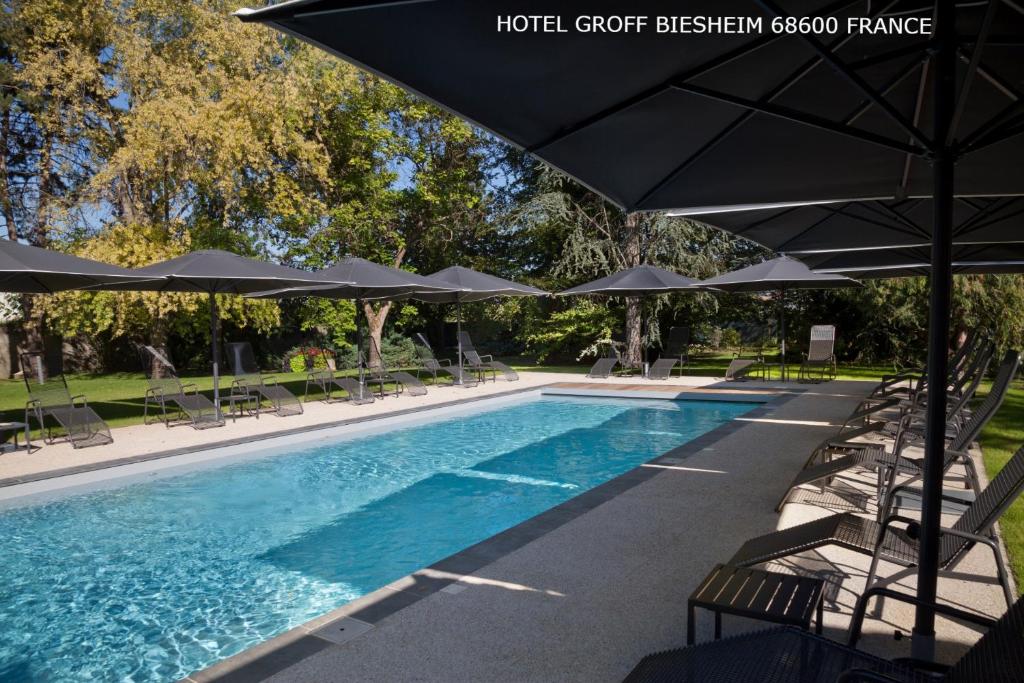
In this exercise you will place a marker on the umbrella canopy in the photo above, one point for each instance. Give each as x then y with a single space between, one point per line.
474 286
216 272
24 268
651 125
357 278
753 116
777 274
839 226
968 259
638 281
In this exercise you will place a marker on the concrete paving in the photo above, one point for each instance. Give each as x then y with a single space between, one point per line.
591 597
139 440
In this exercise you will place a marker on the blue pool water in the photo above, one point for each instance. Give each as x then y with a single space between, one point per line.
152 581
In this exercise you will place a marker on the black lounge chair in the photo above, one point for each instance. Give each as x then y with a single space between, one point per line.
743 368
323 379
605 366
357 392
380 374
877 457
166 387
790 655
481 365
662 368
885 541
916 379
248 378
820 358
49 397
433 365
678 345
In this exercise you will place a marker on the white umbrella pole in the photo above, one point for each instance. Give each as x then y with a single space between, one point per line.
214 348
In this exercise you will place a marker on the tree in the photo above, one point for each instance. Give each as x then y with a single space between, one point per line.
599 239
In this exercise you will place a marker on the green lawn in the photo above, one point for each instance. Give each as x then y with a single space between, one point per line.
999 441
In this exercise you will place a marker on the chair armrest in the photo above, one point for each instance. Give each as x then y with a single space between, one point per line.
32 402
859 612
489 358
85 402
190 385
444 361
268 381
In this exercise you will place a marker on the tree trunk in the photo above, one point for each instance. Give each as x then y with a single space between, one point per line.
634 306
375 318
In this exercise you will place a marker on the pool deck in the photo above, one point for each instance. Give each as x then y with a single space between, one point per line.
583 591
142 442
586 589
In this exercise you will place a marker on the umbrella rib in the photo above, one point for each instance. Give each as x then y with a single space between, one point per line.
665 86
913 48
918 108
789 81
804 118
975 225
855 78
895 213
972 70
647 94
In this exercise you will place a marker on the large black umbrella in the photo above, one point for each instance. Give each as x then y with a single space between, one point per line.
216 272
639 281
666 119
361 280
472 286
813 228
24 268
777 275
1000 257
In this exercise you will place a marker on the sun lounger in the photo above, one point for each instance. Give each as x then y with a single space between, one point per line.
49 397
605 366
894 539
323 379
482 364
742 368
358 393
248 378
790 655
165 387
859 455
662 368
820 358
381 375
678 345
430 364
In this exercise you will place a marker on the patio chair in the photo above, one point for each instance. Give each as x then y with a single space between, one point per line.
248 378
605 366
899 545
857 455
357 393
678 345
915 378
790 655
323 379
662 368
820 357
482 364
743 368
433 365
165 387
403 381
49 397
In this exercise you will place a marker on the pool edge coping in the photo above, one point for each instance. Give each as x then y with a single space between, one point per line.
266 659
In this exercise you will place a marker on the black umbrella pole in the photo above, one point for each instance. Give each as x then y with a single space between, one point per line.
923 646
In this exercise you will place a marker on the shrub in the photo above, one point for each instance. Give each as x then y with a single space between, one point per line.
301 358
730 338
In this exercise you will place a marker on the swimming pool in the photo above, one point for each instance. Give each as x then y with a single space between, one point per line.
152 581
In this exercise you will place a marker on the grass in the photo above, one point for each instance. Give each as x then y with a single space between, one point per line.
1000 439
